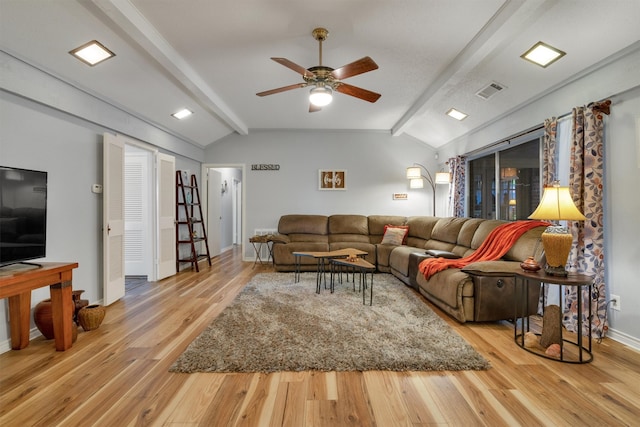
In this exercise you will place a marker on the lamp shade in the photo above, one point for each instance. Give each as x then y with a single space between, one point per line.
414 172
443 178
416 183
557 204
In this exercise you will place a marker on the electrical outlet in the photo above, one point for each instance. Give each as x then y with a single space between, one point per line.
615 302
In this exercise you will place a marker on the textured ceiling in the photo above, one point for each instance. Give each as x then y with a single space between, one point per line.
213 56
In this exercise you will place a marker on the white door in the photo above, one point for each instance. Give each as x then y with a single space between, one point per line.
136 215
113 218
166 185
237 212
214 211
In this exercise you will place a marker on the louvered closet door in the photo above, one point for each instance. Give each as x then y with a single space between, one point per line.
137 246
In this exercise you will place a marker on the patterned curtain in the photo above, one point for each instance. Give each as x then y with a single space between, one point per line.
457 168
549 151
586 184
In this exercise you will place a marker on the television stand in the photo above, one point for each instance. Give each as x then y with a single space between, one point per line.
30 263
17 287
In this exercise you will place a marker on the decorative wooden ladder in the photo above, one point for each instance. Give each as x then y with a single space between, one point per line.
189 214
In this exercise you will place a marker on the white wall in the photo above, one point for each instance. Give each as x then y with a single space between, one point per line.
620 81
375 163
71 154
69 148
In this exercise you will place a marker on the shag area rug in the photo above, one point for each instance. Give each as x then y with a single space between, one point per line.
275 324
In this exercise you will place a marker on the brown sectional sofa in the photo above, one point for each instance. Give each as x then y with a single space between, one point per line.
482 291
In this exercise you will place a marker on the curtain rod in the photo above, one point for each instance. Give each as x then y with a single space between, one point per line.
506 140
538 127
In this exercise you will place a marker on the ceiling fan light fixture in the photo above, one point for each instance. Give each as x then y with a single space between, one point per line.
320 96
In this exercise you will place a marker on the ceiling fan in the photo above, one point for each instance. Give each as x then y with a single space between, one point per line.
325 80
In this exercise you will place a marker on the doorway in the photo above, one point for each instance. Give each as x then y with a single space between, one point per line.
138 213
224 205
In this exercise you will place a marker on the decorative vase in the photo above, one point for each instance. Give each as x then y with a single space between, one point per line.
530 264
91 316
79 303
43 318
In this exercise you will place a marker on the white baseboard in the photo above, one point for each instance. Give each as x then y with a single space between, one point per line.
623 338
6 344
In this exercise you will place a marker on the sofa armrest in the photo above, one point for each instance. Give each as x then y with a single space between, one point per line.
279 238
493 268
442 254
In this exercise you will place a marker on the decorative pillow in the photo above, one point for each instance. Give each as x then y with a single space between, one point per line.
403 227
394 235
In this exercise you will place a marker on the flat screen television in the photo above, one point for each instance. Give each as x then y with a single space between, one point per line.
23 215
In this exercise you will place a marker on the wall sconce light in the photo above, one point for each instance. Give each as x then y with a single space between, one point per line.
224 186
416 179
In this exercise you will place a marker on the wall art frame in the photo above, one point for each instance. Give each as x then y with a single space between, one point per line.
329 179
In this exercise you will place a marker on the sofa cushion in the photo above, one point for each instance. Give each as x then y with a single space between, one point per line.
467 231
447 286
420 228
448 229
314 238
303 224
348 224
483 231
489 268
528 244
283 254
399 258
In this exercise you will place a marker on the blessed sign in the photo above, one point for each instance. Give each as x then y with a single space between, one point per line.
265 167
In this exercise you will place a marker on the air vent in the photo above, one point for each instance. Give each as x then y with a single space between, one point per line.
490 90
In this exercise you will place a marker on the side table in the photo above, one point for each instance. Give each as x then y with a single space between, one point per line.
524 280
258 242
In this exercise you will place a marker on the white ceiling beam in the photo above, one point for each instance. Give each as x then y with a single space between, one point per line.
135 25
503 25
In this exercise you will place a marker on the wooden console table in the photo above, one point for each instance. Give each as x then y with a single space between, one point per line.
16 285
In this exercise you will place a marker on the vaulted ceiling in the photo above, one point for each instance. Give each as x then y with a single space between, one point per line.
213 56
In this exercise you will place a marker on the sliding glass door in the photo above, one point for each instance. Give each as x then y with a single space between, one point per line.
505 184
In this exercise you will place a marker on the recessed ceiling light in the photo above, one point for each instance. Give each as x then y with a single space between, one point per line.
92 53
182 114
458 115
542 54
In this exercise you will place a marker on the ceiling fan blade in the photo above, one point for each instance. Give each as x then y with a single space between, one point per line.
314 108
281 89
360 66
358 92
295 67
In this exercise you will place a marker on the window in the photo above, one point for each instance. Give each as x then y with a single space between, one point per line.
506 184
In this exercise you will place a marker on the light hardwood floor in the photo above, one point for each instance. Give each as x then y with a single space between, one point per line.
118 375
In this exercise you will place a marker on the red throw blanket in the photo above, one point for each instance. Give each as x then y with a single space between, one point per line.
497 243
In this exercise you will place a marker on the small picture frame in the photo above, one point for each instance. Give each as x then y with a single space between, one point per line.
332 179
400 196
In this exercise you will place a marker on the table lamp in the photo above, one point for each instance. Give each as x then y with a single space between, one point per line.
556 205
